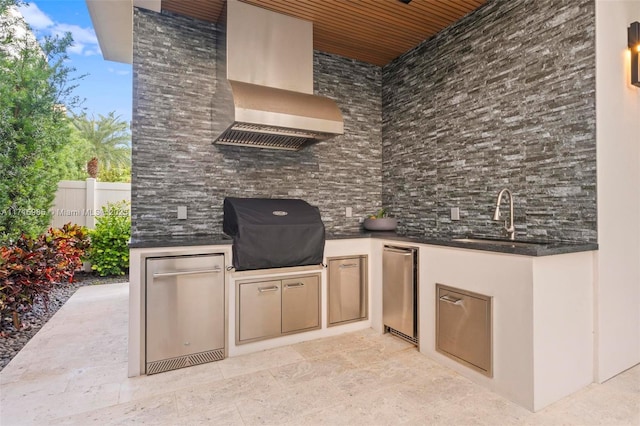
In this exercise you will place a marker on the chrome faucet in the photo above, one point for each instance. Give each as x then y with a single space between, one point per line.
511 230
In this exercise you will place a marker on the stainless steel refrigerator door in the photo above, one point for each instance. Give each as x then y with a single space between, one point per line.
184 305
398 302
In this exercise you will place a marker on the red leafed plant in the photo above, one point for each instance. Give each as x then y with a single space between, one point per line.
70 244
30 266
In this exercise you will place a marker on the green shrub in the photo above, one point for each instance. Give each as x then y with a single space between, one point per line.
109 252
29 267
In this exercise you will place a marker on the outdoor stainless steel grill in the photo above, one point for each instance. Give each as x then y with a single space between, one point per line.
273 233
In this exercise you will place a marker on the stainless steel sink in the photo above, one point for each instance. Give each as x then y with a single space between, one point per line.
496 242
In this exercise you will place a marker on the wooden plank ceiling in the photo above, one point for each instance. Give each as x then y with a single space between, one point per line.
374 31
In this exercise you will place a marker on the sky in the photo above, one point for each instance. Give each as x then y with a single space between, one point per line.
107 87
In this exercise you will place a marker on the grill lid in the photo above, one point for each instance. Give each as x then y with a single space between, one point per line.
273 233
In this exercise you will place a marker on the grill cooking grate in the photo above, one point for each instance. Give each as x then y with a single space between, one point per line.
184 361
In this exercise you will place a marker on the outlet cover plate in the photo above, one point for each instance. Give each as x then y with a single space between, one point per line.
182 212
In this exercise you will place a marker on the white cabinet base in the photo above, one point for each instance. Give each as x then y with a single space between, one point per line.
542 313
542 319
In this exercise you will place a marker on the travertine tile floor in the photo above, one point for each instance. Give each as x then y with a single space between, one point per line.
74 372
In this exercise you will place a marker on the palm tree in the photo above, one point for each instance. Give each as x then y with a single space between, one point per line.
108 141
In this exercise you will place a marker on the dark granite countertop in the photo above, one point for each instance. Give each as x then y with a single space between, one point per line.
181 241
534 248
522 246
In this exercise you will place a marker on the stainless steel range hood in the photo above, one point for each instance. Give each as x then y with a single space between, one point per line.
265 82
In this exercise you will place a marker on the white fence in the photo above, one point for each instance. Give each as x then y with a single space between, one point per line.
80 202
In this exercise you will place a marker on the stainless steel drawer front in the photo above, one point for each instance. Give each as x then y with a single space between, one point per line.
184 306
275 306
300 304
464 327
260 313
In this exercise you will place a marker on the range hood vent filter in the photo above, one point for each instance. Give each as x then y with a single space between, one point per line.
243 134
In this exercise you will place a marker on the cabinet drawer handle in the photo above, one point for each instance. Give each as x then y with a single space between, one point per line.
294 285
265 289
404 252
452 300
178 273
349 265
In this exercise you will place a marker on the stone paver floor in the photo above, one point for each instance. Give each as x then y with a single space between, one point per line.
74 371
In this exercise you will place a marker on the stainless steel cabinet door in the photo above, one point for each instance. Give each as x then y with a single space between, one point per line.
184 306
347 289
398 304
300 303
464 327
260 310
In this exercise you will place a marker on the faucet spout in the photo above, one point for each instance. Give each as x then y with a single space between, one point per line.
496 215
510 228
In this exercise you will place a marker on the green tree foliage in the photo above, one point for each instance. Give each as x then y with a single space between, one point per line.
107 138
73 157
35 86
115 174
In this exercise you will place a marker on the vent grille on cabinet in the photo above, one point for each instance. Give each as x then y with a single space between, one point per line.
184 361
413 340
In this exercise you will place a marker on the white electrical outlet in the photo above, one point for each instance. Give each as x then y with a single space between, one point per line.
455 213
182 212
349 212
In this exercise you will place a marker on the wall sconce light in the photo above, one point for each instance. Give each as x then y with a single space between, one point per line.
633 33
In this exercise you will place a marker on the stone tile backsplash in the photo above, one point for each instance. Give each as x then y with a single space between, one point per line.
503 98
177 116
